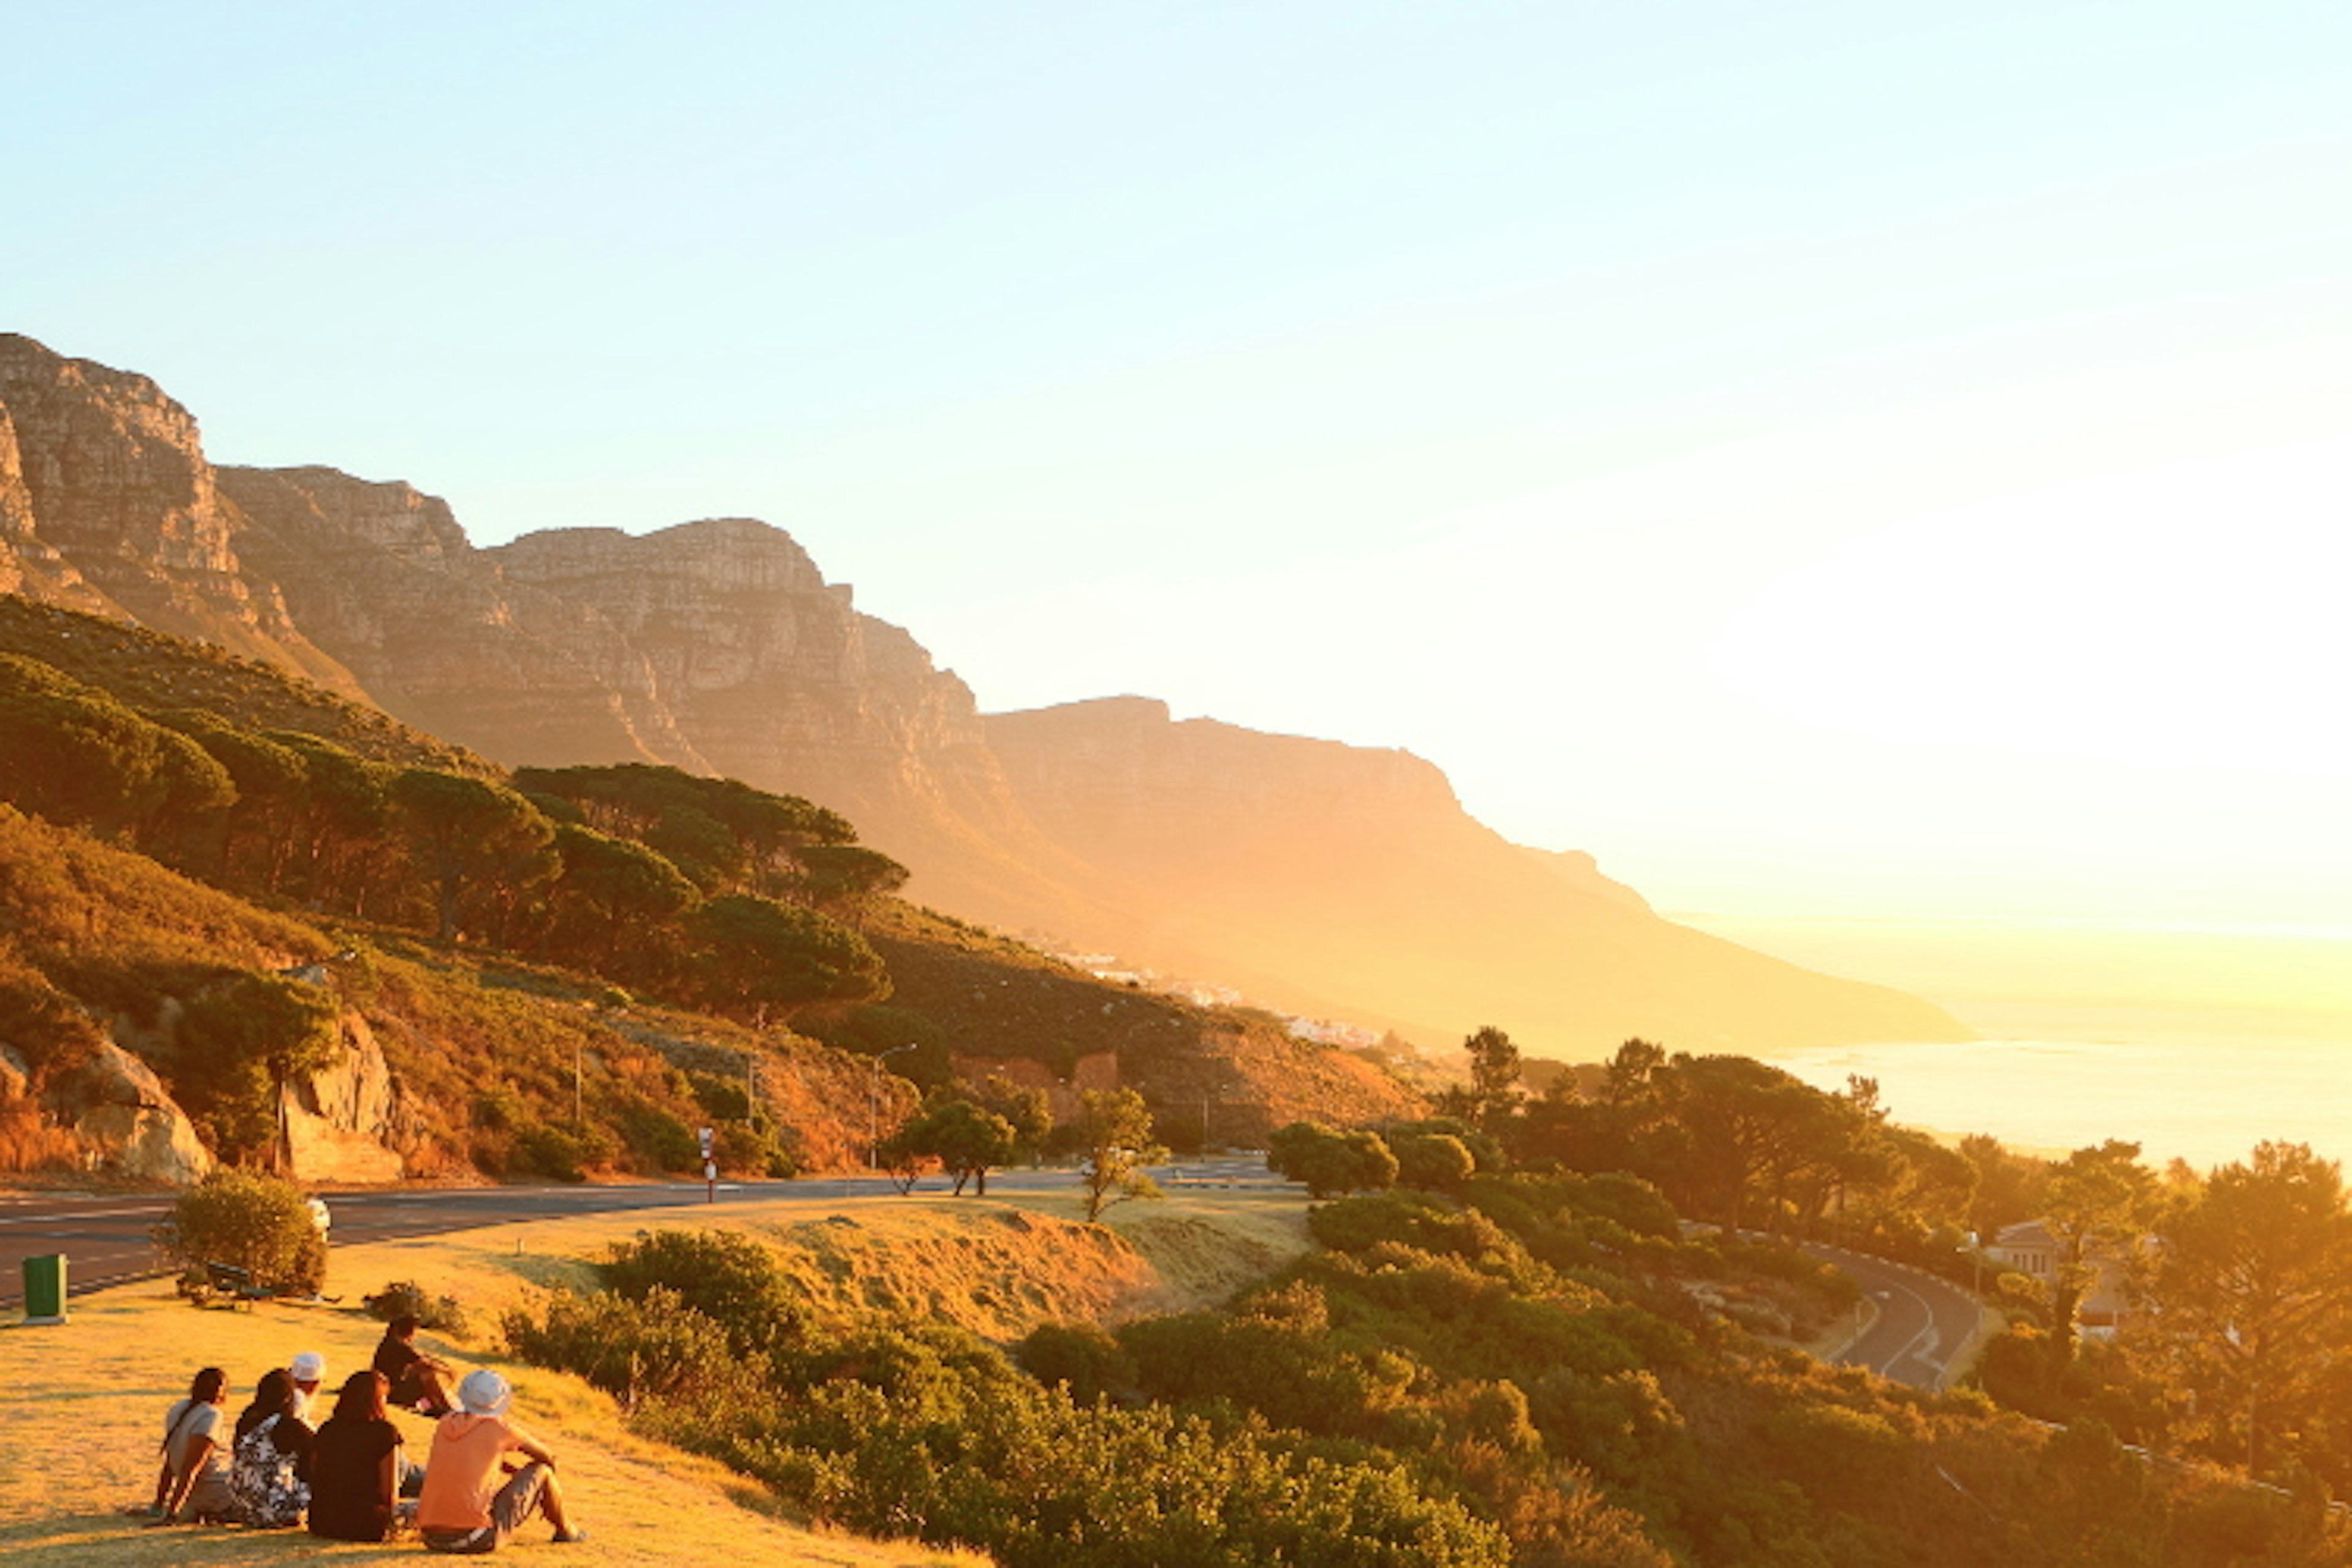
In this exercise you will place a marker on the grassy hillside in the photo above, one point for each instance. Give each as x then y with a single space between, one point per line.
484 1049
993 1002
152 671
563 982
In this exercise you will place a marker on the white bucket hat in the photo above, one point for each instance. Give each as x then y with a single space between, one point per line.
485 1392
307 1367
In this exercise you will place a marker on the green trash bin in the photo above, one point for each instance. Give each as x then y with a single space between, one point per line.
45 1289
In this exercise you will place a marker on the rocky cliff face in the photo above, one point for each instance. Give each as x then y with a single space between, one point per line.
1333 879
112 481
30 564
349 1122
381 576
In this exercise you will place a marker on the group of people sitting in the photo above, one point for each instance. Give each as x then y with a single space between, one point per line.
350 1474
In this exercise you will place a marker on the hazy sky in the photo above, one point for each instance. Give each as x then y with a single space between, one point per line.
1869 458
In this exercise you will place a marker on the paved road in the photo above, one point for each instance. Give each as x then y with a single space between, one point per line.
105 1239
1924 1324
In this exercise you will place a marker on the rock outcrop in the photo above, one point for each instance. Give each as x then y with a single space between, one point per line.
349 1122
126 1119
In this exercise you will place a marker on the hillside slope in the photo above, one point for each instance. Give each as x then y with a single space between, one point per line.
141 993
1329 872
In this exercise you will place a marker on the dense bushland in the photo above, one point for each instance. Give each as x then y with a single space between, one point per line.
567 864
2235 1284
1541 1370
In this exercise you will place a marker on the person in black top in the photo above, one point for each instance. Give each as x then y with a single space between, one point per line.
354 1466
416 1382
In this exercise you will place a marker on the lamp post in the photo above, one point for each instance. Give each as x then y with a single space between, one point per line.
1214 1091
873 1101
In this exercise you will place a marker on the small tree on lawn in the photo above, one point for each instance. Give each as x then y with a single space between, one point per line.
967 1140
1115 1131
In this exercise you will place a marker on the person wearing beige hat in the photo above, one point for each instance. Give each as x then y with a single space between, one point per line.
472 1502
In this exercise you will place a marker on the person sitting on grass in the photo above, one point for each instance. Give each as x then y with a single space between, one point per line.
308 1370
418 1381
355 1467
472 1502
270 1442
196 1470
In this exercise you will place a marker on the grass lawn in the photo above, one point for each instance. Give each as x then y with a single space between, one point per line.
81 1404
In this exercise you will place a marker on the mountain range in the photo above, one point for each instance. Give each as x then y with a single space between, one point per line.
1324 878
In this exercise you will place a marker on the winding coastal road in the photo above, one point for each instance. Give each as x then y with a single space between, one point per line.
1925 1325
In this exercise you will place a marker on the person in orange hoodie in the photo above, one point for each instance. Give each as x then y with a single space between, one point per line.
474 1499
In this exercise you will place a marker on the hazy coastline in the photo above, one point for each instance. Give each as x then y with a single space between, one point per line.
2194 1042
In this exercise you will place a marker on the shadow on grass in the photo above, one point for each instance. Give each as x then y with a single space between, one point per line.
72 1539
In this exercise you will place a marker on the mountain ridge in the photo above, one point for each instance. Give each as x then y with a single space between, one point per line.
1329 879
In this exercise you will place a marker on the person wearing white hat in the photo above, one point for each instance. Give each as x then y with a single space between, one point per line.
464 1507
308 1370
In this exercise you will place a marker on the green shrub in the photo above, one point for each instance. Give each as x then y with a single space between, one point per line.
1082 1358
730 1280
550 1152
1434 1160
249 1221
754 1148
629 1348
1331 1162
660 1139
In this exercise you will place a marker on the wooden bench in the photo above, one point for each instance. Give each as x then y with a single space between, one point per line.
227 1281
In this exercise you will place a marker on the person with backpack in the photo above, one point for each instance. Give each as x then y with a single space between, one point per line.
271 1440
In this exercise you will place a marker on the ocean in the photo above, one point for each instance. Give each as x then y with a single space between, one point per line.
2194 1043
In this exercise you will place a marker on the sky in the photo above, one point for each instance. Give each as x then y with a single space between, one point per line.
1826 459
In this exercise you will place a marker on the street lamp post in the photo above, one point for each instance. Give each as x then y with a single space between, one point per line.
873 1103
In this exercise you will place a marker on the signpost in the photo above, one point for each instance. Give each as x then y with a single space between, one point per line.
710 1171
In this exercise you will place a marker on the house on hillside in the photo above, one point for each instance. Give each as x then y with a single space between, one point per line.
2029 1248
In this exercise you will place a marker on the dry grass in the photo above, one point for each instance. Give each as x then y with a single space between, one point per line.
1000 1267
82 1405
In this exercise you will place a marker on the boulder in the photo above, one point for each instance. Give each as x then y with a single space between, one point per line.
127 1120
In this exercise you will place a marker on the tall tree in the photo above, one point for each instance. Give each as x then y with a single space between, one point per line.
1628 1079
1494 1067
2100 1203
1754 1131
477 846
758 956
345 852
1029 1111
2254 1287
614 893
